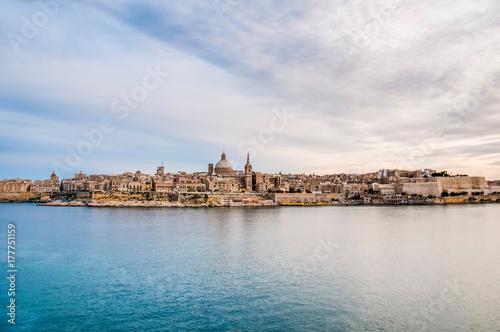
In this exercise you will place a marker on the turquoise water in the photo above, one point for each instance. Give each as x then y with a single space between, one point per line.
422 268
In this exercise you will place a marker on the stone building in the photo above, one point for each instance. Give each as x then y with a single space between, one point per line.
15 185
222 177
224 184
188 182
46 186
160 170
163 185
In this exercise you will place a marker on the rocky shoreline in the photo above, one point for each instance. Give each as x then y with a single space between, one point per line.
166 200
144 204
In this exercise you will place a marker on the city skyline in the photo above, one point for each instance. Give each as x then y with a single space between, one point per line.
373 86
240 167
210 187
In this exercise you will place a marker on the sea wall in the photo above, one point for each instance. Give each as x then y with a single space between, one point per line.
219 199
455 200
306 198
22 197
131 196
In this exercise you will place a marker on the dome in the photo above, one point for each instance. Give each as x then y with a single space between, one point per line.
223 166
223 163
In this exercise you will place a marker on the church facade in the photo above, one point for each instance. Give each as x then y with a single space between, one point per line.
223 172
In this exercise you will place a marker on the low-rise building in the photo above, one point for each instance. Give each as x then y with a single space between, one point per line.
46 186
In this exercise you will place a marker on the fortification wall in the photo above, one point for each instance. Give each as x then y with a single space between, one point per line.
455 200
476 183
306 198
424 189
12 197
235 196
492 189
128 196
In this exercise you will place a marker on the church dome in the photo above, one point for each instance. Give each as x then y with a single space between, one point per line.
223 166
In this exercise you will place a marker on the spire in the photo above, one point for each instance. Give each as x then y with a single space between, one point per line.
248 166
223 155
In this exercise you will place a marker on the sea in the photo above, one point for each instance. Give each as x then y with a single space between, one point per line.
326 268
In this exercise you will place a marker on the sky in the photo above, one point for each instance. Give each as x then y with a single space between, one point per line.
333 86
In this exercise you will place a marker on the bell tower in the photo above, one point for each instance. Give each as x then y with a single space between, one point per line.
160 170
248 174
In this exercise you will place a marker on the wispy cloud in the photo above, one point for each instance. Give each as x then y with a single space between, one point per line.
369 82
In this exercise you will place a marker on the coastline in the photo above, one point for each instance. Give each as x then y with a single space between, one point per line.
198 200
191 205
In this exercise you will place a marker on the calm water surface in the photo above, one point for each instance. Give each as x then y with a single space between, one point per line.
428 268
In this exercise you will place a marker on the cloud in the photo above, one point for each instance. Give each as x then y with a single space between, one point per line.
368 82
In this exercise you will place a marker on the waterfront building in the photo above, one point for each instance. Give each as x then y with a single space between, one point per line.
15 185
222 177
188 183
224 184
46 186
163 185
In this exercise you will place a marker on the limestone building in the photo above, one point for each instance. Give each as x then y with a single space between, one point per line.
15 185
46 186
222 177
